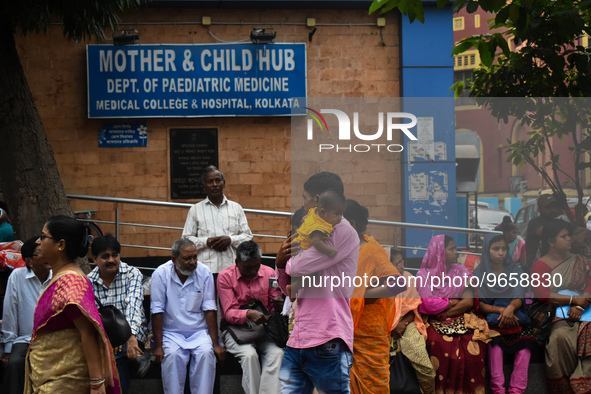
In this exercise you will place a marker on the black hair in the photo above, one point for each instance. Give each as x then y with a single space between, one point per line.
209 169
75 233
508 227
297 218
497 238
358 213
330 199
395 252
323 181
550 231
446 240
248 250
28 248
104 243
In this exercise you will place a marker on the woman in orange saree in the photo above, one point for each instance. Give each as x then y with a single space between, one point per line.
69 351
372 317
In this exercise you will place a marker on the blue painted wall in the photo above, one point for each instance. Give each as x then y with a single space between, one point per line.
427 75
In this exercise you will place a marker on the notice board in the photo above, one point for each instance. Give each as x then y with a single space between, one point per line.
191 150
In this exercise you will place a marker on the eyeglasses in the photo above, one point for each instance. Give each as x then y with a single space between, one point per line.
43 236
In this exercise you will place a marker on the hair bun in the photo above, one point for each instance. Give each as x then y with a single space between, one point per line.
85 242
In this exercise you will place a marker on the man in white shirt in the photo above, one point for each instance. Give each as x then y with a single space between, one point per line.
24 287
184 321
216 225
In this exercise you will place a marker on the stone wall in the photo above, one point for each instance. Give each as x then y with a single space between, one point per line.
344 60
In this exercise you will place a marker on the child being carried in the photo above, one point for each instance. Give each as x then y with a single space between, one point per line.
319 224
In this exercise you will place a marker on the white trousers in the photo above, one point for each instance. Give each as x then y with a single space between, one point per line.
201 361
255 379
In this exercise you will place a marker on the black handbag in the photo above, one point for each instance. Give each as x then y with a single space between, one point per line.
249 331
277 329
403 379
542 315
115 324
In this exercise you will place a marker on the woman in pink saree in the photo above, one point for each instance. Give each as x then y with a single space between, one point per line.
69 352
457 356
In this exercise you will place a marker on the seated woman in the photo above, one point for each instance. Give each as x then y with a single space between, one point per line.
568 349
503 308
410 331
458 358
69 351
515 242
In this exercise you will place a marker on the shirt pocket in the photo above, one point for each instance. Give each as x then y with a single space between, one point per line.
195 301
233 224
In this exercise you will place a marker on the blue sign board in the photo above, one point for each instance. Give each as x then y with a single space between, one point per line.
119 135
192 80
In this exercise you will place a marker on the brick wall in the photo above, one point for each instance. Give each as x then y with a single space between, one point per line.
254 153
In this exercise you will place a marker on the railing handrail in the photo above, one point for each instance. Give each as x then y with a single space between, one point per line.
276 213
166 203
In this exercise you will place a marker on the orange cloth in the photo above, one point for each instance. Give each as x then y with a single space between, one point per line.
312 222
370 371
407 301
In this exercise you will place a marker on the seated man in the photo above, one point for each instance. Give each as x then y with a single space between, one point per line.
239 284
184 321
116 283
24 287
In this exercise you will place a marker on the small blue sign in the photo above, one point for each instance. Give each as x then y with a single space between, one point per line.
192 80
123 135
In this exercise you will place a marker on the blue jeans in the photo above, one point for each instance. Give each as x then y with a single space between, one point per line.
123 369
326 367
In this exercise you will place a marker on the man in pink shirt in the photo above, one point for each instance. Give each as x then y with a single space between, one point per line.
239 284
319 351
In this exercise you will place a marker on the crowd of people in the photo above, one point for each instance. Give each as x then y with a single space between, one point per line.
214 296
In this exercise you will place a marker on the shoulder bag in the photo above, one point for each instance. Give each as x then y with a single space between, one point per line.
115 324
542 314
403 378
249 331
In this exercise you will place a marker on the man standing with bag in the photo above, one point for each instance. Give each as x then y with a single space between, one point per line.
239 284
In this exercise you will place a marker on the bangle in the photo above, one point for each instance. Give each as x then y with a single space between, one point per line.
95 383
579 307
571 300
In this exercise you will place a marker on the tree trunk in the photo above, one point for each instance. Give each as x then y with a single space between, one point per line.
29 178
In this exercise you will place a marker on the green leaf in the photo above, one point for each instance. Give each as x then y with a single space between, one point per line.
376 4
461 47
472 7
527 3
442 3
486 57
514 13
390 5
502 16
503 44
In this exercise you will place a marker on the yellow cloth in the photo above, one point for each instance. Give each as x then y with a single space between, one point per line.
57 364
480 326
371 369
312 223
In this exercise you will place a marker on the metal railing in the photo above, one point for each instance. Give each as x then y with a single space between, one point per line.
118 223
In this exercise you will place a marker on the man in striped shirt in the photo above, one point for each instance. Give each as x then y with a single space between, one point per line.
216 225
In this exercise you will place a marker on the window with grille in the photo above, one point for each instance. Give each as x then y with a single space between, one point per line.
459 23
467 60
